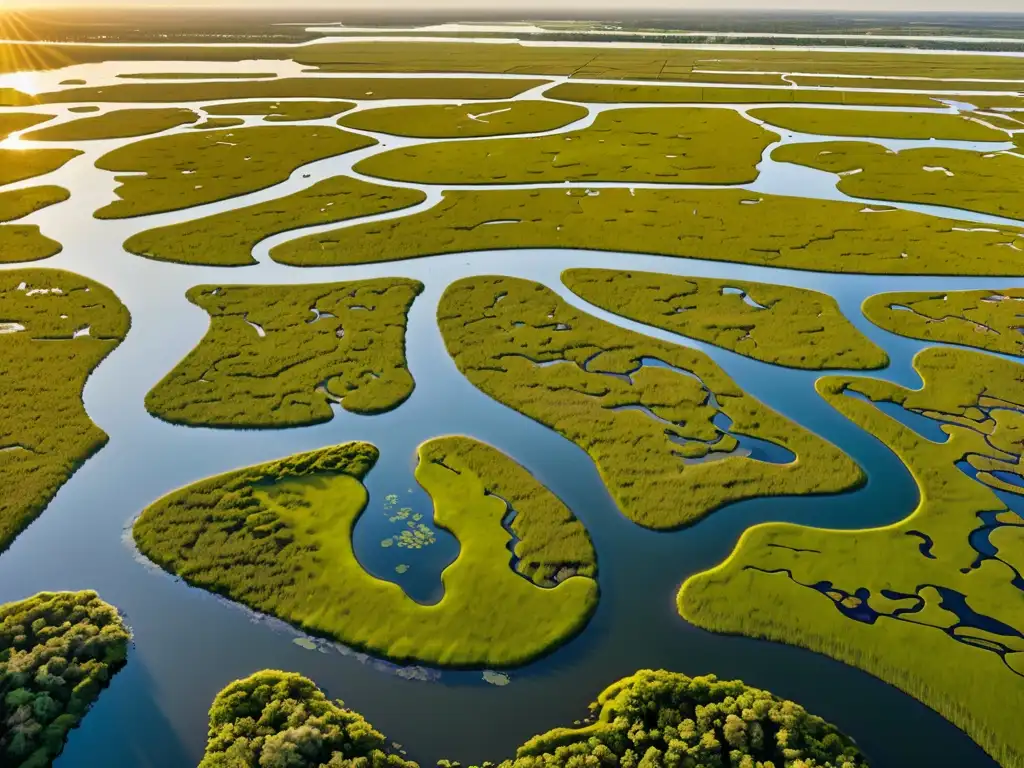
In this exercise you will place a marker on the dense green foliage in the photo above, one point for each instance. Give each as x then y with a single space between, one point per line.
278 538
45 358
700 146
895 125
296 87
21 164
57 652
650 429
659 719
227 239
655 719
282 111
168 173
992 320
724 225
282 720
279 355
795 327
12 122
613 93
116 124
955 178
24 242
931 604
450 121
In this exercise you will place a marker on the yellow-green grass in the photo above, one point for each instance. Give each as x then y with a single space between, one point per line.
612 62
227 239
273 716
19 121
84 108
650 713
954 178
24 242
11 97
195 76
282 111
278 538
58 651
994 101
893 125
451 121
794 327
44 429
279 355
117 124
297 87
885 600
722 225
614 93
700 146
986 319
649 429
21 164
218 122
907 83
168 173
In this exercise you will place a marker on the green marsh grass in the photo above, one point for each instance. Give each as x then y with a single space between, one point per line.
169 173
19 121
21 164
992 320
700 146
793 327
24 242
45 360
282 111
117 124
452 121
868 123
723 225
985 182
227 239
279 355
792 584
278 538
649 430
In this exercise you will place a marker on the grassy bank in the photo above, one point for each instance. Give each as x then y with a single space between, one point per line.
452 121
24 242
116 124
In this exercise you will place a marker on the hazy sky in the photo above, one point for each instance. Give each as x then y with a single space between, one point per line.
533 6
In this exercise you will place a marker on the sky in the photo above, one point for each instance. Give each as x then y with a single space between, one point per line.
582 5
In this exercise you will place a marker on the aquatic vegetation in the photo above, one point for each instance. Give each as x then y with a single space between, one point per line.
992 320
794 327
719 224
702 146
168 173
296 87
24 242
986 182
116 124
21 164
58 651
282 719
894 125
652 718
280 355
282 111
278 538
56 328
444 121
625 93
664 424
12 122
227 239
931 604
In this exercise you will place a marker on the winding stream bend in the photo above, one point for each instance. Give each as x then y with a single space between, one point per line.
189 644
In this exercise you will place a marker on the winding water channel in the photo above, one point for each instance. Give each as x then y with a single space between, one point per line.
189 644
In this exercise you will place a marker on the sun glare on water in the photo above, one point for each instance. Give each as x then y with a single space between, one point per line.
18 61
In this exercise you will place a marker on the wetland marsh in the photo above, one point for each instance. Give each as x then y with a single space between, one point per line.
508 438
